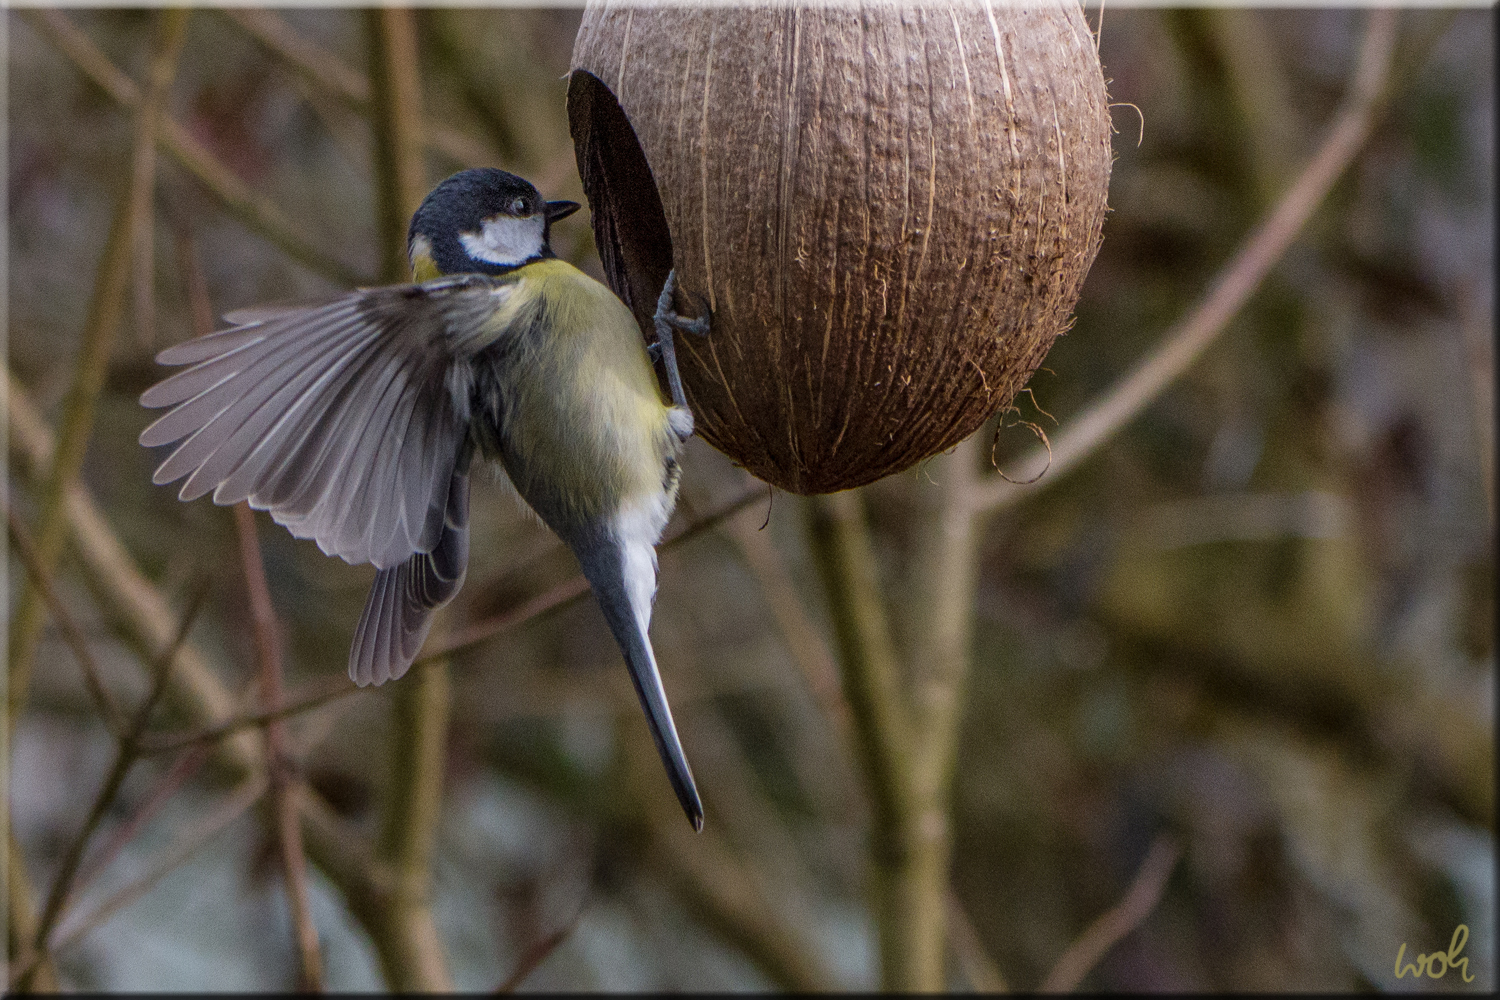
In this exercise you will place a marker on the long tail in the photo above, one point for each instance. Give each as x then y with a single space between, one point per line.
398 613
622 573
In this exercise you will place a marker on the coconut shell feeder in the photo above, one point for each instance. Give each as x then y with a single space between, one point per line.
889 209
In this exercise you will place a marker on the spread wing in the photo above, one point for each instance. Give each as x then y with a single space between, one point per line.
344 419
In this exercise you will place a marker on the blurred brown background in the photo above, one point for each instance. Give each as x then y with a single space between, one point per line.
1259 621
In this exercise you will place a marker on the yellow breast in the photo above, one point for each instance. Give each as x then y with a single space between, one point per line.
587 428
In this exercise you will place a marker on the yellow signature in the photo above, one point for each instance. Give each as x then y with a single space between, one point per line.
1437 964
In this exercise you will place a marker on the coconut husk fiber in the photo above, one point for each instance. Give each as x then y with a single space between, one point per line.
890 211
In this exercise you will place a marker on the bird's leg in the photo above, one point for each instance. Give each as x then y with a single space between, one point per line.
665 319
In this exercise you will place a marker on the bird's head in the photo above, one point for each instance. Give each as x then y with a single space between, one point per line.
482 221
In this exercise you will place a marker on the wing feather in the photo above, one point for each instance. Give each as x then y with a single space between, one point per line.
303 449
284 366
214 345
337 417
398 613
263 398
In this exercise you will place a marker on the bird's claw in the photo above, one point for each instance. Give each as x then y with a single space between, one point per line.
665 320
698 326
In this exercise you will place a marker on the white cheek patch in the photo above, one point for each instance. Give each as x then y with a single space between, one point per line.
505 239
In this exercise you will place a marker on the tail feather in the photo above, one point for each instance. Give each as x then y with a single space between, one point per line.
622 573
398 613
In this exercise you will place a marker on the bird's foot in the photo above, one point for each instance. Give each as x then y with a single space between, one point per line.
665 314
665 320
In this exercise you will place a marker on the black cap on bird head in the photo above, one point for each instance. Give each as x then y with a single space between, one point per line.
483 220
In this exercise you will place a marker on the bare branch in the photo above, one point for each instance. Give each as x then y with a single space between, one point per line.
172 32
1236 283
71 633
325 691
143 616
324 70
284 789
396 115
132 604
909 851
126 754
983 974
725 893
255 212
106 311
1105 932
870 671
182 769
830 775
184 846
539 952
21 926
809 650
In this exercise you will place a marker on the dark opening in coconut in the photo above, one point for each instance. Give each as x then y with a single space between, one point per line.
630 228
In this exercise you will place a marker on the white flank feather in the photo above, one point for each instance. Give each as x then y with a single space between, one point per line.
680 419
637 528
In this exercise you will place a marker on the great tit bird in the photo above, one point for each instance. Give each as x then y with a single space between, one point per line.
354 422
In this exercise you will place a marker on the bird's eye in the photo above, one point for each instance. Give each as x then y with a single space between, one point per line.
518 207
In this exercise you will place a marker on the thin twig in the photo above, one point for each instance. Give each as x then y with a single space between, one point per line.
396 117
325 691
133 606
142 615
540 951
22 923
183 768
126 754
114 721
105 314
284 790
254 211
194 282
172 32
809 650
1236 283
1105 932
186 844
715 881
983 974
832 774
323 69
569 590
336 688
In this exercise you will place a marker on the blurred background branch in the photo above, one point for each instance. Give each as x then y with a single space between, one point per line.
257 214
129 231
1101 935
284 823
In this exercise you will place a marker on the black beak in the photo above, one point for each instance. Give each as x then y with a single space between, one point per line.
561 209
